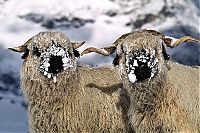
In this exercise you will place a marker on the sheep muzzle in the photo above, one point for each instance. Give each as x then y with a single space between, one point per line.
54 60
56 64
141 65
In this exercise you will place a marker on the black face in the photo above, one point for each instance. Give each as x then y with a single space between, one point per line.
56 64
54 60
25 54
142 71
141 65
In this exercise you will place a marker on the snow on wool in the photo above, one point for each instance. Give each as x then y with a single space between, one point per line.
54 60
141 65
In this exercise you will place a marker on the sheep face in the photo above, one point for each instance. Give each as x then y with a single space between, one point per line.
141 65
54 60
48 55
142 57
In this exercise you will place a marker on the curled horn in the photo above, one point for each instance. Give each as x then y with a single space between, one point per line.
103 51
21 48
76 45
173 42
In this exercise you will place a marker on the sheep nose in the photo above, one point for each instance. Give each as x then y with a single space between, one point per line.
142 71
56 64
141 65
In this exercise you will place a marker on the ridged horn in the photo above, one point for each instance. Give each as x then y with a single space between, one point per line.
21 48
173 42
103 51
76 45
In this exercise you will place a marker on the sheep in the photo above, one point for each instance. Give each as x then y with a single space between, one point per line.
63 97
164 95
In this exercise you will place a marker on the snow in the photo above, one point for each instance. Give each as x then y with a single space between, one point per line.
135 63
13 117
132 77
59 7
110 19
102 32
54 79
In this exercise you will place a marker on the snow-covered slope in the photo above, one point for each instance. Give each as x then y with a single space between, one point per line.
12 106
99 23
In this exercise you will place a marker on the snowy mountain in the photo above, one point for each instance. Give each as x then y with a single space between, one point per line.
99 23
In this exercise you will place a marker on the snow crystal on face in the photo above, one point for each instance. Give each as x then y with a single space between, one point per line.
141 65
61 52
49 76
46 65
54 79
46 69
45 73
65 60
135 63
132 77
55 59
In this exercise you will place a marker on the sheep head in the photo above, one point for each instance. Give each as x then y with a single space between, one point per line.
48 53
141 55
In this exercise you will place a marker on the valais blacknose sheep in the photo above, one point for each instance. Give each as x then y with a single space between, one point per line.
164 96
64 98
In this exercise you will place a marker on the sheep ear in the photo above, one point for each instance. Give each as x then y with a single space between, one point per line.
173 42
76 53
76 45
103 51
21 48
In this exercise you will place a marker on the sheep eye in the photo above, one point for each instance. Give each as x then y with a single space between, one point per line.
26 53
36 52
